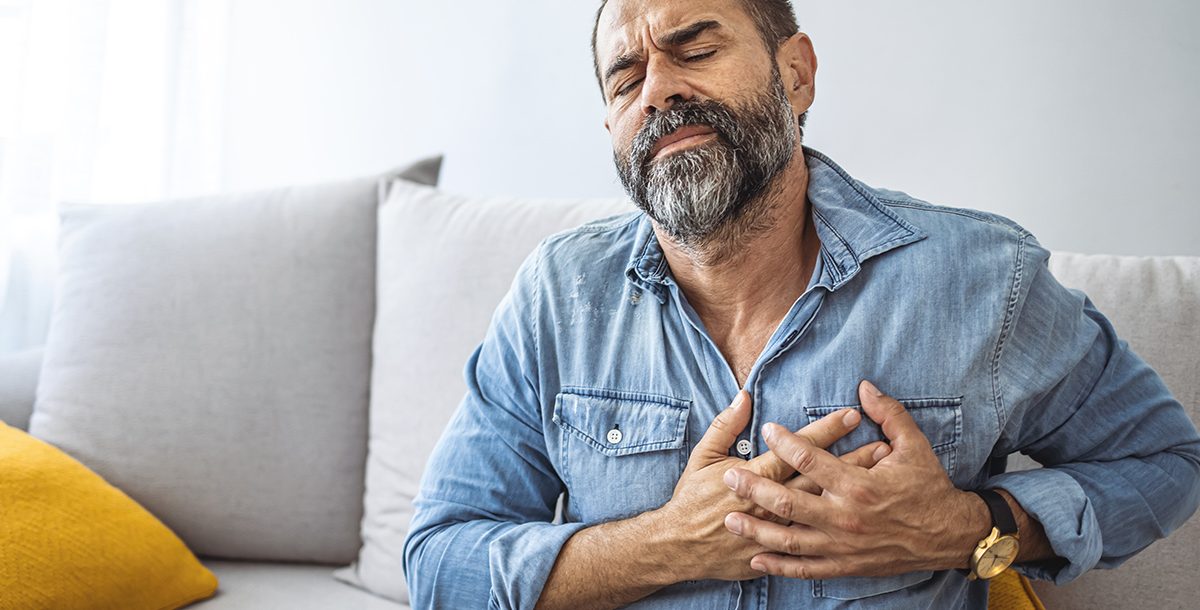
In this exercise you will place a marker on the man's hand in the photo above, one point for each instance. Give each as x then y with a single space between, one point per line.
701 501
901 515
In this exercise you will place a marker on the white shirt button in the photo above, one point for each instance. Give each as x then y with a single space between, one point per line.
614 435
744 447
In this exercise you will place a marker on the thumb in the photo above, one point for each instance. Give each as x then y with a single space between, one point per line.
722 432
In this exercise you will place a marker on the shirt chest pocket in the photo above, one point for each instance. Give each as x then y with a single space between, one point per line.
621 453
940 419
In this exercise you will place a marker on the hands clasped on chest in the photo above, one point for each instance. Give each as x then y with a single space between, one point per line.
801 512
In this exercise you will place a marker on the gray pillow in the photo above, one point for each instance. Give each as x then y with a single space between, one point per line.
445 262
18 386
211 358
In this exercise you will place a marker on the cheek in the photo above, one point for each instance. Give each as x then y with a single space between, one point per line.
623 134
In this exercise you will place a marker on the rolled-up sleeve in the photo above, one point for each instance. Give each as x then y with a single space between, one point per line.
482 535
1121 457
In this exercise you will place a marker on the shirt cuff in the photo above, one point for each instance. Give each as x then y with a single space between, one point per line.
521 559
1057 501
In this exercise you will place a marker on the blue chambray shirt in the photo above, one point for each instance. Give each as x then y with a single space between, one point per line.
951 311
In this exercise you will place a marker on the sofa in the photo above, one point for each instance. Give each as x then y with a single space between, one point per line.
267 372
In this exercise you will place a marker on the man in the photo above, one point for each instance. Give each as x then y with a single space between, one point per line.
759 270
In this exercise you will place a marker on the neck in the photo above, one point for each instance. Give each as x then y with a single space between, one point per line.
758 264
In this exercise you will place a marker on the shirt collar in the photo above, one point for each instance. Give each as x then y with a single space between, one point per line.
852 224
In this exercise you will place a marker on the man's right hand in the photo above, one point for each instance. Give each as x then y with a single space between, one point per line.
694 517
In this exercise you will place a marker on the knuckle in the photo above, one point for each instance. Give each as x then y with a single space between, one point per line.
852 524
803 459
792 546
783 506
861 494
801 571
891 406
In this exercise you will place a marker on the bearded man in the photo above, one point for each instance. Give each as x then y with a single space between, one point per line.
759 271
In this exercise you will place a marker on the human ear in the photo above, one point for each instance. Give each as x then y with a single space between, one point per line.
798 68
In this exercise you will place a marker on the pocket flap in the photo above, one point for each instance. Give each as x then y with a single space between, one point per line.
940 419
622 423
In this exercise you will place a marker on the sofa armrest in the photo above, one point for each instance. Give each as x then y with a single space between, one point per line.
18 386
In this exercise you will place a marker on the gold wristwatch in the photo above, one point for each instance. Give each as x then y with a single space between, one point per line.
999 550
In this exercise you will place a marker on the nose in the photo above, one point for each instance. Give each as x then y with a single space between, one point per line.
663 86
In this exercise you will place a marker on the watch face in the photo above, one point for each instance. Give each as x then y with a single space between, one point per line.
997 558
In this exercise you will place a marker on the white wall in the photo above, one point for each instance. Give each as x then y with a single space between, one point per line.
1076 118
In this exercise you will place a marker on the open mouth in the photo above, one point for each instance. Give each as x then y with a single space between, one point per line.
683 138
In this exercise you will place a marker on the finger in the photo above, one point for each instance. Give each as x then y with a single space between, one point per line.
864 457
808 459
806 568
804 484
786 539
897 423
791 505
868 455
722 432
823 433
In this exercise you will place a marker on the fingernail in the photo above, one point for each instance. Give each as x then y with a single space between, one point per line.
733 523
881 452
850 419
755 564
767 431
872 389
731 479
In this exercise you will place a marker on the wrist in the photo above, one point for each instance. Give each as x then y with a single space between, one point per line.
661 551
973 523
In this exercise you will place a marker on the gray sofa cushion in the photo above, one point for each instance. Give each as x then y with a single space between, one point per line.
1154 303
211 358
445 262
283 586
18 386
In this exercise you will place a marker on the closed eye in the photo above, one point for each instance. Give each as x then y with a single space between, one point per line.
628 88
699 56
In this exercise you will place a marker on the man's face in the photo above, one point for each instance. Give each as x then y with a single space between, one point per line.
699 115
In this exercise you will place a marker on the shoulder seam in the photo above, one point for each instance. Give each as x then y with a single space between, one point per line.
1014 296
915 205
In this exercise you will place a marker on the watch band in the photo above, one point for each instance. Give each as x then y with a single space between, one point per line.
1002 516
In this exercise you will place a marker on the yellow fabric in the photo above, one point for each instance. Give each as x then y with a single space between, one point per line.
1011 591
69 540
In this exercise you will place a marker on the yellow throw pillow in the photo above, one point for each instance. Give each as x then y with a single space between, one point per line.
69 540
1011 591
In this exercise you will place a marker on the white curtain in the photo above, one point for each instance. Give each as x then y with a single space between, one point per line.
106 101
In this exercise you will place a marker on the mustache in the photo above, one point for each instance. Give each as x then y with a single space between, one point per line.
712 114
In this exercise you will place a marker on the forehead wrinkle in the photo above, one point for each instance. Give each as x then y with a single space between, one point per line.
677 25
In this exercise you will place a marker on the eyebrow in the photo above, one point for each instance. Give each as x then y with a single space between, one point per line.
685 35
624 62
674 38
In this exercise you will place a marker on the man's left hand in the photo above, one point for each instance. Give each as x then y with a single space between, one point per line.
901 515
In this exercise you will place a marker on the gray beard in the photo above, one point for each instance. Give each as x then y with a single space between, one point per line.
709 197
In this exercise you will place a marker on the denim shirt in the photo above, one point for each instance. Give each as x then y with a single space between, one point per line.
597 378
